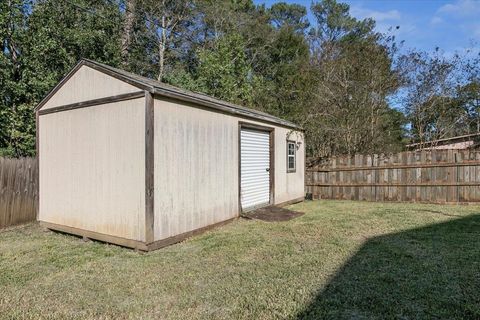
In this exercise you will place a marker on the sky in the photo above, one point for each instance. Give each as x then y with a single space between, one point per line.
451 25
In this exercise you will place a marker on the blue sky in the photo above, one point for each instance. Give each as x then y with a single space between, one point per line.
452 25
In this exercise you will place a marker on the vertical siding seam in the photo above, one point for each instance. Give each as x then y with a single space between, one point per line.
149 168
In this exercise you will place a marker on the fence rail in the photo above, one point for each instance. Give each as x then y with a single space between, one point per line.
436 176
18 191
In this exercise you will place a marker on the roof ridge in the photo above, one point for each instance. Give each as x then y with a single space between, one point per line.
166 86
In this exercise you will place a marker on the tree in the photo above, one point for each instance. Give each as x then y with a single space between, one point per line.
468 96
224 72
44 39
164 20
336 79
127 33
13 16
335 24
287 79
354 78
430 96
291 15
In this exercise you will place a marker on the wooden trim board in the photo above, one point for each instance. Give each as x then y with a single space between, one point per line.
180 237
134 244
149 168
289 202
272 166
94 102
129 243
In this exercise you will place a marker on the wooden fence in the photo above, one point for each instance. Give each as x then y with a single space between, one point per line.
18 191
434 176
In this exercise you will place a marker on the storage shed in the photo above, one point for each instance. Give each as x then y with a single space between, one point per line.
135 162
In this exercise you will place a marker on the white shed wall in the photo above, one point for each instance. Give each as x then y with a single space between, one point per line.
288 186
92 168
196 167
88 84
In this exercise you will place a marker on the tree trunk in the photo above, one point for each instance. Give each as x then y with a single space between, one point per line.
127 30
162 46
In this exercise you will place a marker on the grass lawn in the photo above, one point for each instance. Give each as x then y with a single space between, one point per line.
341 260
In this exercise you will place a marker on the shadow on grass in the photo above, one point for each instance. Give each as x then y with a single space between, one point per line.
431 272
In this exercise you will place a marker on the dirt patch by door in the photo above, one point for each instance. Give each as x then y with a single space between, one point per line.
272 214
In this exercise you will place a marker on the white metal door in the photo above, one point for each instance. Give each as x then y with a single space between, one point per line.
254 168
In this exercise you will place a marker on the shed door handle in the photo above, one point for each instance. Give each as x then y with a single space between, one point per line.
268 169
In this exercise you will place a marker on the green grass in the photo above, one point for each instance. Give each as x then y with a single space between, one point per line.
341 260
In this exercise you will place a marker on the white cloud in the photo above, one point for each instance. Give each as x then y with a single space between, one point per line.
389 22
461 15
461 8
379 16
436 20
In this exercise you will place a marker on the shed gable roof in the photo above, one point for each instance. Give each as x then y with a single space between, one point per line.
162 89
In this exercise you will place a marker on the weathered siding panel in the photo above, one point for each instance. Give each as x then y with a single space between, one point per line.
288 186
92 168
88 84
196 167
196 172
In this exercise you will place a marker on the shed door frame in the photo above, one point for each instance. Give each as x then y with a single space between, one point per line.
271 131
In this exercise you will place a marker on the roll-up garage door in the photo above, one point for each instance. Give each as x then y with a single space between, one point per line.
254 168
